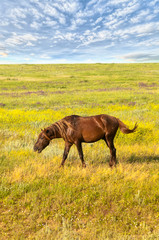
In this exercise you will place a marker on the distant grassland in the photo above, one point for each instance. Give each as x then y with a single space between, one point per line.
40 201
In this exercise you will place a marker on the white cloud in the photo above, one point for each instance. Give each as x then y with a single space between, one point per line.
139 30
70 36
53 12
96 37
35 25
92 2
77 22
85 14
34 1
87 32
67 6
98 20
20 39
109 45
65 36
147 28
139 17
58 35
29 44
156 11
96 28
80 21
152 3
15 16
84 39
150 17
120 15
4 23
114 23
35 13
49 22
17 13
96 7
148 43
121 12
115 2
104 34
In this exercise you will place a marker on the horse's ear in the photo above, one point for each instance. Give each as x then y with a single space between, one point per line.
41 129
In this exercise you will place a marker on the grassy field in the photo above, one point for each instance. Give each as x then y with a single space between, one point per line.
40 201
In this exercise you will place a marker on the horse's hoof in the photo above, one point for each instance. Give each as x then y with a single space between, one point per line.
83 165
61 166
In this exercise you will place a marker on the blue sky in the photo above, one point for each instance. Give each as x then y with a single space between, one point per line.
79 31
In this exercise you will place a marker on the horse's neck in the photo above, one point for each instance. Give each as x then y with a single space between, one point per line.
56 132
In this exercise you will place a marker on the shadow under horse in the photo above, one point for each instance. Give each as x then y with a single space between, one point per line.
75 129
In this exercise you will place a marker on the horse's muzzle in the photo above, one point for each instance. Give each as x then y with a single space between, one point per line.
35 149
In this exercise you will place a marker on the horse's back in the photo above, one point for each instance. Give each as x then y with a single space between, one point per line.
99 119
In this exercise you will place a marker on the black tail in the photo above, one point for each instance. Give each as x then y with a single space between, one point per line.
125 129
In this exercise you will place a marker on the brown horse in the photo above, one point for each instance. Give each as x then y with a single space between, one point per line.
75 130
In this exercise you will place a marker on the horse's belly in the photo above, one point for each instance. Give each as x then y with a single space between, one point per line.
92 134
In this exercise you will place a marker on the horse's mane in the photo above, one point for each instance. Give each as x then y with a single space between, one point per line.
62 126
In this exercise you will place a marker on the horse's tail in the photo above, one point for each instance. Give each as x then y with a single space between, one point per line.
125 129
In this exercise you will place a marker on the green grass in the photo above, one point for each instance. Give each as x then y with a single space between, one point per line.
40 201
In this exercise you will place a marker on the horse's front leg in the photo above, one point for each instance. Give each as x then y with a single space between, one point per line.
80 152
66 151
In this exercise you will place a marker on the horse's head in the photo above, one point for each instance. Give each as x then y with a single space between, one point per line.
43 140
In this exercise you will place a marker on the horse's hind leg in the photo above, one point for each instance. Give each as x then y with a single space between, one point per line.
109 140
